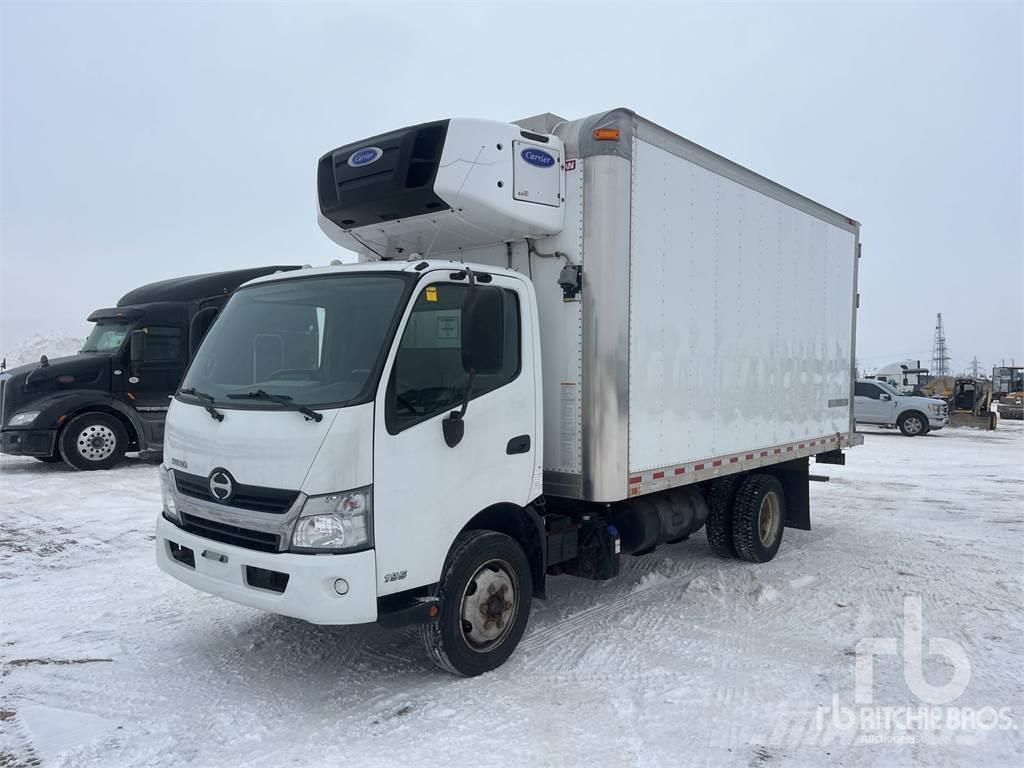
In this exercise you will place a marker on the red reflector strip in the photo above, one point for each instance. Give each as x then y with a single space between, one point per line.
733 459
634 480
749 456
680 470
778 450
789 448
658 475
812 443
716 463
800 446
698 466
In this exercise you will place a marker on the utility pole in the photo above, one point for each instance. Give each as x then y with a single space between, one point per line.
974 366
940 352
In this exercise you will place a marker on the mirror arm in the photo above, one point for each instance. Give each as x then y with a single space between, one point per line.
469 394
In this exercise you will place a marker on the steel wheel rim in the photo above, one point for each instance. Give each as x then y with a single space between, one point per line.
96 442
768 518
490 604
913 425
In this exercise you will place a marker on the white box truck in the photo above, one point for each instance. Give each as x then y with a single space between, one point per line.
566 342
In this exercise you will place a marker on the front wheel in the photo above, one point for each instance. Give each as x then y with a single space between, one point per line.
93 441
913 424
484 596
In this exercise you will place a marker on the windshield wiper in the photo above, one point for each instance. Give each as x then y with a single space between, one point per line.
284 400
207 404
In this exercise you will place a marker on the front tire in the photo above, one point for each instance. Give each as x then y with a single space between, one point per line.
93 441
913 424
758 518
484 596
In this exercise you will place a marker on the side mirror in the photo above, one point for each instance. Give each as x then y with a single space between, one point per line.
483 330
483 349
137 347
884 396
201 323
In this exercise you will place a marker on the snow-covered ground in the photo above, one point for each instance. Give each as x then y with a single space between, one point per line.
684 660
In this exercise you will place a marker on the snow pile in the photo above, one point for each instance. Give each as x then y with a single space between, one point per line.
50 344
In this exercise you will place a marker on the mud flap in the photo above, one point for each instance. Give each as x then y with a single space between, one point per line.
795 484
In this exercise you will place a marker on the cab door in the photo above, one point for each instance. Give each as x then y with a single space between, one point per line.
156 377
872 404
425 491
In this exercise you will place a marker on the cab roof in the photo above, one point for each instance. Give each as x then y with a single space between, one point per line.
195 287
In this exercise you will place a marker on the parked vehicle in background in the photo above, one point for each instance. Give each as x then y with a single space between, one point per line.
412 461
971 404
1008 391
907 376
880 403
89 409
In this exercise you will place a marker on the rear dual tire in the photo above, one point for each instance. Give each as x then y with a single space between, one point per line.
748 516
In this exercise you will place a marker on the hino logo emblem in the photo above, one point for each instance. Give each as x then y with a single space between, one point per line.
221 485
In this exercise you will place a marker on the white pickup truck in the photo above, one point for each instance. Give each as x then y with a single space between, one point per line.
878 402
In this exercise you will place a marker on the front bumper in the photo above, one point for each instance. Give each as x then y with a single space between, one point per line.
937 422
223 570
28 442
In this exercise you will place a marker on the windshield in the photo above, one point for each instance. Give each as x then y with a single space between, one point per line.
318 341
107 335
887 387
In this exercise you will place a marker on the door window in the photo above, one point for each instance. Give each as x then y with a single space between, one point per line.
163 344
867 390
428 378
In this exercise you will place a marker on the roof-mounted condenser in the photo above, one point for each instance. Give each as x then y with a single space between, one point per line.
440 187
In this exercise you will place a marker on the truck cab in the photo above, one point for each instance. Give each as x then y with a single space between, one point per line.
90 408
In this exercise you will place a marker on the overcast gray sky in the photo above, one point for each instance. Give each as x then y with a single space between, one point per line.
143 141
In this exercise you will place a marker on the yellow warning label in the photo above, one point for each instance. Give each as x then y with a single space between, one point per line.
431 293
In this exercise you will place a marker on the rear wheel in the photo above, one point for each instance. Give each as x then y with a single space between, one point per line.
93 441
719 524
913 424
484 596
758 518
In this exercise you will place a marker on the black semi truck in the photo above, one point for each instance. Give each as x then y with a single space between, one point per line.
91 408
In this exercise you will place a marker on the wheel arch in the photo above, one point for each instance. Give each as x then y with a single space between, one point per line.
526 527
136 435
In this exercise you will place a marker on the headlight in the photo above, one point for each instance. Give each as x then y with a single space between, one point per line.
936 408
23 418
170 508
335 522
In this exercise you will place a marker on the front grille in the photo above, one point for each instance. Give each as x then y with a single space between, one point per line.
273 501
230 534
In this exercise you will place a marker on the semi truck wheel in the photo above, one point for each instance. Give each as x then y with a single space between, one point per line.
93 441
484 595
758 518
719 524
912 424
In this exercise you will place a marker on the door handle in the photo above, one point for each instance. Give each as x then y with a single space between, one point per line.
520 444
